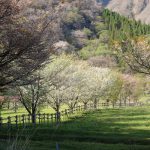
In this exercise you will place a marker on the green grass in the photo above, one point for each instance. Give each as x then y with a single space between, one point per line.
113 129
10 112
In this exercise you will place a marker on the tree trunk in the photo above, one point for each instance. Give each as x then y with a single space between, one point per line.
113 104
57 114
0 110
120 104
71 107
125 102
15 106
107 102
8 105
33 117
95 103
129 101
85 106
136 102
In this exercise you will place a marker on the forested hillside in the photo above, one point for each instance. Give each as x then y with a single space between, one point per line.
121 27
136 9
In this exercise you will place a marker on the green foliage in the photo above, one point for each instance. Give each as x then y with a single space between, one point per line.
112 94
88 32
121 27
99 27
94 48
104 36
73 17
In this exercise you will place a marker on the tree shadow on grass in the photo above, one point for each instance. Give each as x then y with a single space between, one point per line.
110 126
104 127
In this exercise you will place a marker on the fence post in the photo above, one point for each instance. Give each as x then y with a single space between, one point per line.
52 118
29 118
39 118
44 117
66 113
1 122
58 117
47 118
57 146
23 120
16 120
55 117
9 122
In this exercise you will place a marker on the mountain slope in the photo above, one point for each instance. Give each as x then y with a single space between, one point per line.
138 9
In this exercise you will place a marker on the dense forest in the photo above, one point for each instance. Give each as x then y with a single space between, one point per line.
122 28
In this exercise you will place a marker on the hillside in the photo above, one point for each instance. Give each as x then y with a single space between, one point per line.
78 22
131 8
86 29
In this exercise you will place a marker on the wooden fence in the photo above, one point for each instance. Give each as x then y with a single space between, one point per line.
25 120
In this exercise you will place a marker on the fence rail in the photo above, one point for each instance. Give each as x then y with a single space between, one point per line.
25 120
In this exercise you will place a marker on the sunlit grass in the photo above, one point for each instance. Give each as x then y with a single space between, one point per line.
106 129
20 111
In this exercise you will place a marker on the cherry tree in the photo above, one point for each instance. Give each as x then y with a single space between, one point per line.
32 96
75 82
113 92
96 83
132 89
101 80
136 54
55 82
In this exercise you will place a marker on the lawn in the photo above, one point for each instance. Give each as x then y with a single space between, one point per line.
109 129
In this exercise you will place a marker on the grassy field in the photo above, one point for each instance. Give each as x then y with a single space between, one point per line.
5 112
113 129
